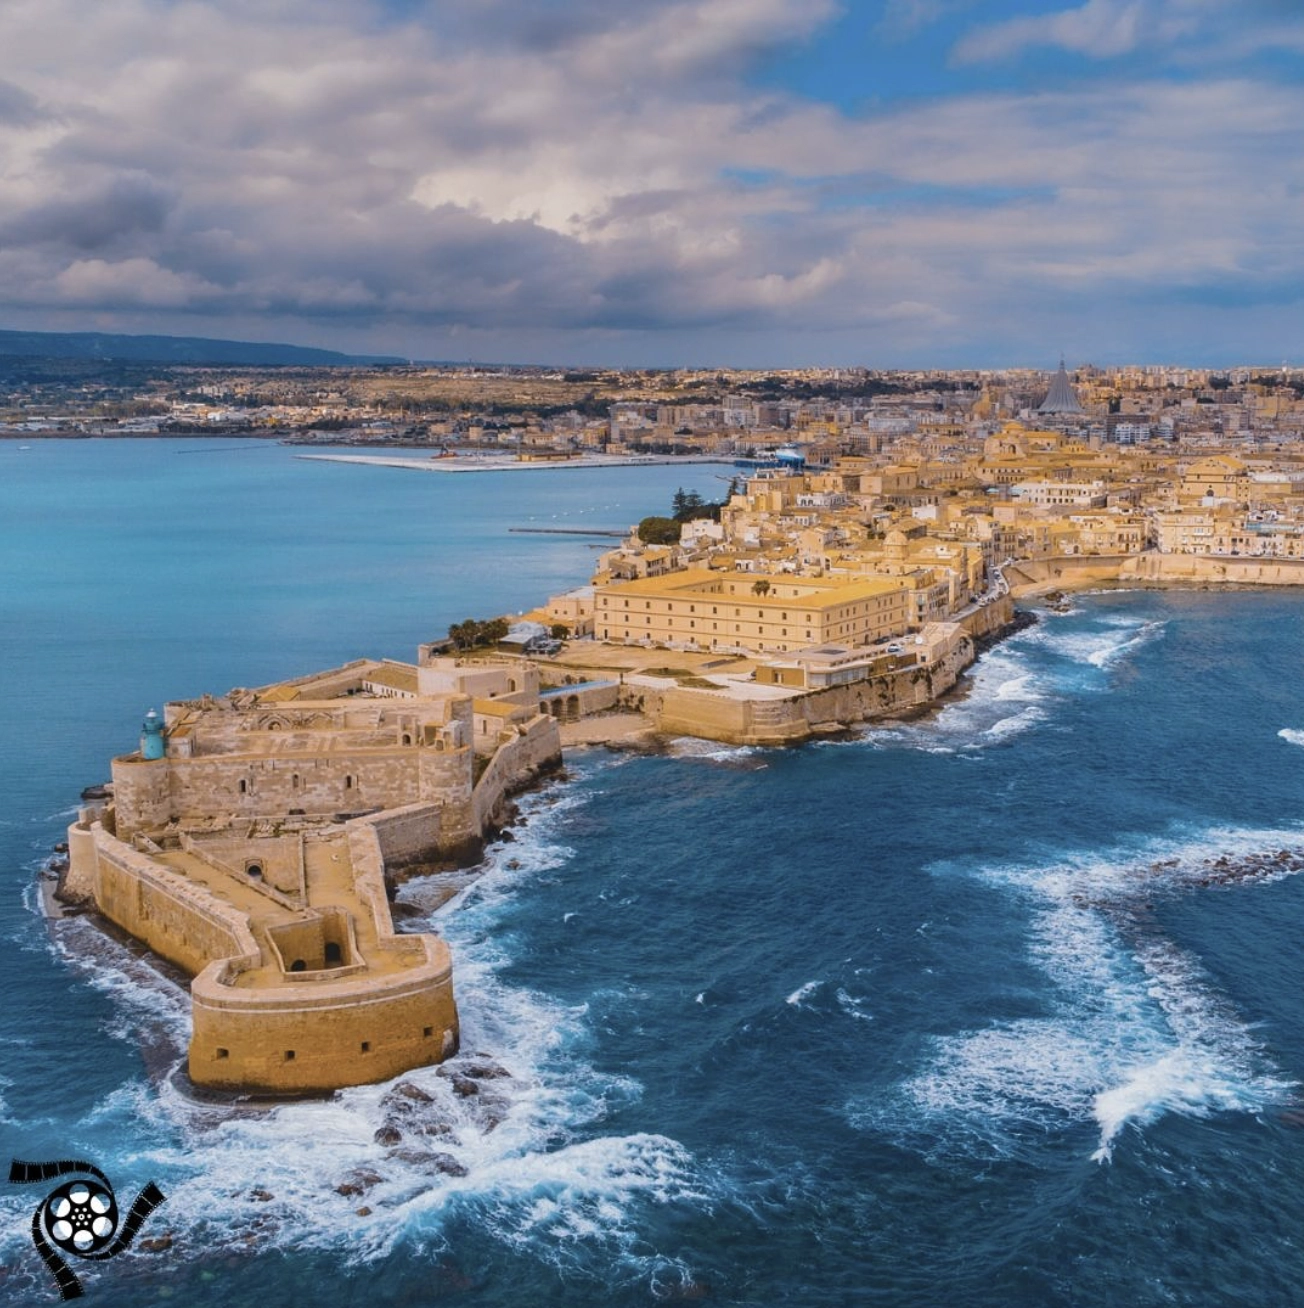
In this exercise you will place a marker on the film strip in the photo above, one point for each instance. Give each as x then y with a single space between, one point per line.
80 1217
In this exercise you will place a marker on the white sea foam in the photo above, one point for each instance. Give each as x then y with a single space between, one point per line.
524 1158
1102 646
803 993
750 758
851 1005
1134 1028
1292 735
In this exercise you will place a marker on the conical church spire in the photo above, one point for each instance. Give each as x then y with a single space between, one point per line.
1062 397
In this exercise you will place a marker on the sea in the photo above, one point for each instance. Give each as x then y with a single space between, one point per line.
998 1007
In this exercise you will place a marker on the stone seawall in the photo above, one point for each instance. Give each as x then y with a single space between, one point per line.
1212 570
1035 576
741 720
514 765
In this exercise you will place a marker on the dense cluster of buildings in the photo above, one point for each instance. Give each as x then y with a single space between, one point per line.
830 411
253 837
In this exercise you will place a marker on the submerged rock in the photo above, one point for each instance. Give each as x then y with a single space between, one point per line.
358 1182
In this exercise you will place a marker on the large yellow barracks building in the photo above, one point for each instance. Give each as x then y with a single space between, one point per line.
702 609
249 839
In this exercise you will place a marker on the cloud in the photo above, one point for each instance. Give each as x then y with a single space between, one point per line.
96 283
347 171
904 18
1099 29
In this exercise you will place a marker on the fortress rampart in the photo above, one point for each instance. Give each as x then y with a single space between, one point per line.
248 843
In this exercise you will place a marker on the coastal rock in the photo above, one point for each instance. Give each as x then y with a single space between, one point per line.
263 1196
430 1160
358 1182
155 1243
478 1067
407 1090
489 1111
483 1068
447 1165
388 1134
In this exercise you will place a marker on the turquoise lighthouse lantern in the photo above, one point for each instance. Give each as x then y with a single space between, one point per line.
152 745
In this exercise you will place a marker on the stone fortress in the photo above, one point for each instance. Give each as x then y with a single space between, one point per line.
254 838
251 839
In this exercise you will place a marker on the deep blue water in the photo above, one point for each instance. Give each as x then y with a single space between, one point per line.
957 1013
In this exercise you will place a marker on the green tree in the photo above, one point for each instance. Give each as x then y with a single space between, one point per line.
761 587
659 531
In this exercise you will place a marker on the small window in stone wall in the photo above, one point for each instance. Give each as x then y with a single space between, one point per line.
366 1046
427 1031
289 1055
348 783
223 1053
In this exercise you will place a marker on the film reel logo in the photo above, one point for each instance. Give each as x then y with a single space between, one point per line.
80 1217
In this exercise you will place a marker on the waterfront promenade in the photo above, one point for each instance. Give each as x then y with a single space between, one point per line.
494 463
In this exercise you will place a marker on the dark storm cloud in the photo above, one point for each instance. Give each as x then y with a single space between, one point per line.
17 106
120 215
583 168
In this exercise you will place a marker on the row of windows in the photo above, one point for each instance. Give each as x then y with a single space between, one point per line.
427 1033
246 786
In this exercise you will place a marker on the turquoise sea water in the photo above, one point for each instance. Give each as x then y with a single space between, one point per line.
965 1011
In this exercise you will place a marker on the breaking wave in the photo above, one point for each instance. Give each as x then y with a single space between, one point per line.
506 1136
1136 1028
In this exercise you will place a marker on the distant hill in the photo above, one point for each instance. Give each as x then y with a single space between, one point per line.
105 346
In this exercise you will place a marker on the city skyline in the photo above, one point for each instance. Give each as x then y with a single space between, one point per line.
717 182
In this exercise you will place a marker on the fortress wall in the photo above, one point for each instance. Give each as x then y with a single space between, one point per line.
1068 570
322 1033
513 764
688 712
685 711
79 882
325 784
367 858
445 781
298 1038
988 619
178 920
153 793
1200 569
142 794
408 834
863 701
280 858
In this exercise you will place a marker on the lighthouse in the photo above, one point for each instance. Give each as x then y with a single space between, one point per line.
152 744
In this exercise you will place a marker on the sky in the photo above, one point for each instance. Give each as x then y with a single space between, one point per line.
661 183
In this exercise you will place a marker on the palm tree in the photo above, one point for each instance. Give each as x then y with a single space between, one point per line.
761 587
